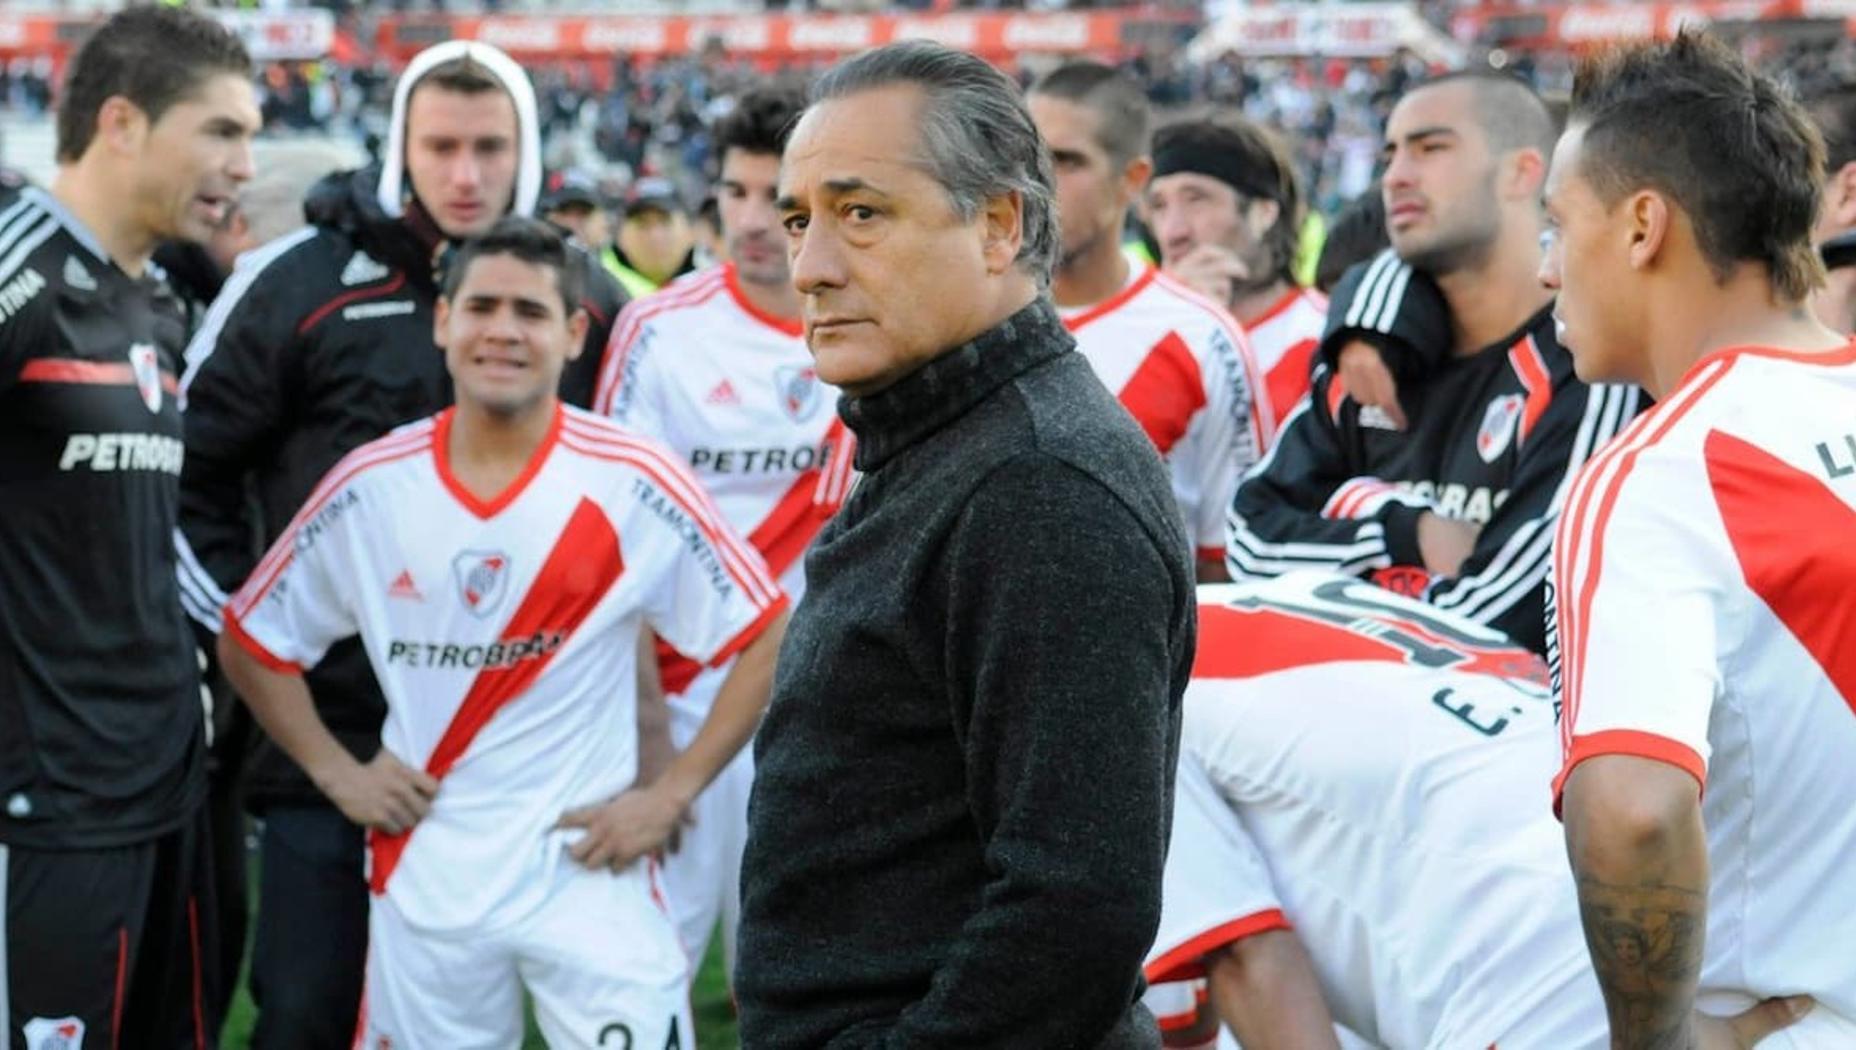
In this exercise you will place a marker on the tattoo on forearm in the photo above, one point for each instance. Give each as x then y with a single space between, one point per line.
1646 943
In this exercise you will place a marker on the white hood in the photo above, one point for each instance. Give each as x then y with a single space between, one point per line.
528 132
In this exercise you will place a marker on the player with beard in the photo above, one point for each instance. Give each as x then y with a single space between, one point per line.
1458 507
717 368
321 341
1172 357
105 874
1227 211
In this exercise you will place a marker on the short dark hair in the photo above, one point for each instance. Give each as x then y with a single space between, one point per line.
1833 110
463 75
530 240
1690 120
977 138
153 56
1263 160
760 122
1357 234
1510 112
1117 101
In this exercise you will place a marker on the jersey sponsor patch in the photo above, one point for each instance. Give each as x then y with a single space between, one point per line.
105 453
1498 423
494 656
374 311
798 387
483 580
60 1033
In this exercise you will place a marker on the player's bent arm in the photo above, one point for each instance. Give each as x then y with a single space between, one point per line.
655 749
1264 989
644 820
383 794
1639 856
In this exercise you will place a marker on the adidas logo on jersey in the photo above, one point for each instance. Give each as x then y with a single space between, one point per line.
403 587
361 269
77 276
723 394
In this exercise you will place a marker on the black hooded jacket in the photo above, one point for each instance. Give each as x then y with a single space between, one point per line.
320 342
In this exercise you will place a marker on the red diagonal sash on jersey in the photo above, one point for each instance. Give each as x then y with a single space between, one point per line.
1791 535
1165 392
1249 643
782 536
580 570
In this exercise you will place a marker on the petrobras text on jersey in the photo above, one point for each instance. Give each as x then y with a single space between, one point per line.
761 460
1461 502
116 452
494 656
661 505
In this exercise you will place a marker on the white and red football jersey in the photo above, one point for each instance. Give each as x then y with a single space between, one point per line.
1284 338
1183 369
1704 615
1356 766
503 634
733 391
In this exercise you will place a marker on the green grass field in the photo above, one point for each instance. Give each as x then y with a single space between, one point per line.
714 1014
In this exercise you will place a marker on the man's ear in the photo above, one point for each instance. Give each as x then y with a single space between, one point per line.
441 314
1002 230
121 126
1261 215
576 330
1134 178
1526 175
1649 220
1840 196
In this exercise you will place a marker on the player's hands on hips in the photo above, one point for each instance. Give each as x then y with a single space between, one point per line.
641 821
1212 270
1445 543
384 794
1363 374
1743 1031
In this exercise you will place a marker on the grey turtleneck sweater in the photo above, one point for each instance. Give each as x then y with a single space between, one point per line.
964 781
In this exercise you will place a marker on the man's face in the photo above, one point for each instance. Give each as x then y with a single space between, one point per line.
1093 192
589 225
194 159
656 242
1186 210
461 156
888 269
1442 212
1587 262
507 335
750 224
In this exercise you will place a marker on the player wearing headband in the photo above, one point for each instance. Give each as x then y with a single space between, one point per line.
1225 206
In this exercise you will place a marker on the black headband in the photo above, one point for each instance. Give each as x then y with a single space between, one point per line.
1202 158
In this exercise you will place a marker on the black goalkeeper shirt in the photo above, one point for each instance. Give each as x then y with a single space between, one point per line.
101 723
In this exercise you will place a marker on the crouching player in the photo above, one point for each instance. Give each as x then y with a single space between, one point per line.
499 561
1361 833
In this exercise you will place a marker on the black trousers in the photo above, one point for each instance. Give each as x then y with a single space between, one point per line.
310 951
113 947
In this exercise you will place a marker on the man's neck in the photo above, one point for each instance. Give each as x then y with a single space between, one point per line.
96 200
777 300
488 451
1741 312
1488 302
1097 274
1250 306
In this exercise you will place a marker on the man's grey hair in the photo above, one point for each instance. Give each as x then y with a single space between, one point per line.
977 139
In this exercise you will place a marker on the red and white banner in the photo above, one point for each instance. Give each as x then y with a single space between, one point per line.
270 36
1346 30
782 36
1579 25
